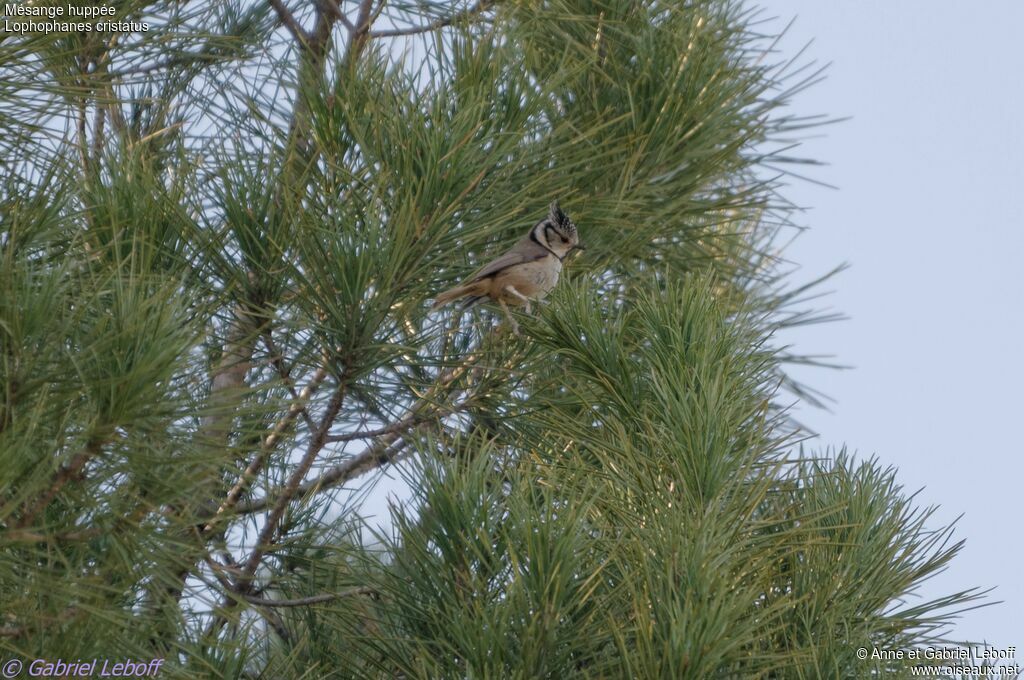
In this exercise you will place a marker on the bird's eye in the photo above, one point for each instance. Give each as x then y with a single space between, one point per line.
564 239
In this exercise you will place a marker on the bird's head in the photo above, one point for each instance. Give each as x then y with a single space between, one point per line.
557 232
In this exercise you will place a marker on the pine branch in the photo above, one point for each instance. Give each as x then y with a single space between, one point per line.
379 453
235 591
359 31
373 457
270 529
333 8
71 471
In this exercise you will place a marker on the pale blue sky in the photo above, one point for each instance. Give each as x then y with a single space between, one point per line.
928 213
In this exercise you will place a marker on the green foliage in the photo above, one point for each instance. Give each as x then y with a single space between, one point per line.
646 524
218 246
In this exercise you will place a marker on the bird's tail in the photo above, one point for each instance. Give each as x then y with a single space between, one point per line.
456 293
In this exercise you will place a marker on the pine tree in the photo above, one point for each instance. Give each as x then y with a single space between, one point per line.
219 240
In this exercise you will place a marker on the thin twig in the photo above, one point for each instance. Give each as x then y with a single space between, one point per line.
288 19
335 476
306 601
316 444
157 133
401 425
25 536
478 8
185 59
235 592
276 359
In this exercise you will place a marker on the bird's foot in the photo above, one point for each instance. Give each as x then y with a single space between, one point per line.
508 315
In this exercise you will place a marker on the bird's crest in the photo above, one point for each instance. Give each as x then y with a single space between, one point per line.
560 219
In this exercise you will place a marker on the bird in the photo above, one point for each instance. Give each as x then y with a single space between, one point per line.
527 272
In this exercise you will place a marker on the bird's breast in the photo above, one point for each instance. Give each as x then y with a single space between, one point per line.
543 274
532 279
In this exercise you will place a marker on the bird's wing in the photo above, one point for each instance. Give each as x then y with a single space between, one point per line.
524 251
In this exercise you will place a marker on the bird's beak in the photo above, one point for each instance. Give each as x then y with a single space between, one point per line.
579 246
